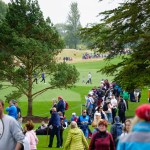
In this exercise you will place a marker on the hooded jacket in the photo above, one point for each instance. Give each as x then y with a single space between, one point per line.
138 139
76 140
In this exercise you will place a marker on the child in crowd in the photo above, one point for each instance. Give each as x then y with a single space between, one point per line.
30 134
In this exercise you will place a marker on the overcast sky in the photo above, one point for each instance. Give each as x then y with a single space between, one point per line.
58 10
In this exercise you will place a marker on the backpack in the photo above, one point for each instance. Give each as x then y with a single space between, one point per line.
66 105
125 96
105 107
118 130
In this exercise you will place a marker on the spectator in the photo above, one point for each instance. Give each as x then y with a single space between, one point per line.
126 97
61 105
43 125
55 124
83 122
54 103
126 128
75 139
108 111
103 114
19 114
42 129
89 105
95 122
116 129
62 127
139 138
30 134
11 136
74 117
102 139
136 95
12 110
121 110
114 104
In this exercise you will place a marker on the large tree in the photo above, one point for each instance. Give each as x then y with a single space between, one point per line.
29 45
129 27
73 26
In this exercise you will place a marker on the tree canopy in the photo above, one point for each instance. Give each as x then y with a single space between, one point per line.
3 10
29 45
128 26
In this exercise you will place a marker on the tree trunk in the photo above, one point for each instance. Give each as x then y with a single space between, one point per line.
30 99
29 113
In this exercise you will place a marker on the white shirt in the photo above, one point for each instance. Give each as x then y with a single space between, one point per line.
114 102
89 76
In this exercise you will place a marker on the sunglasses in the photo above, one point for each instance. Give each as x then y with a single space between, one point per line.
84 112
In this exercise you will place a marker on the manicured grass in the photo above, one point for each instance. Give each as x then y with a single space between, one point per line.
74 96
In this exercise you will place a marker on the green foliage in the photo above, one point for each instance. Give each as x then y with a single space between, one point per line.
29 45
3 10
128 27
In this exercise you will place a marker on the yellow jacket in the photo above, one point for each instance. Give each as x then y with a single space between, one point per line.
76 140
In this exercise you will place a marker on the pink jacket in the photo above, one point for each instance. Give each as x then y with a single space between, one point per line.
32 138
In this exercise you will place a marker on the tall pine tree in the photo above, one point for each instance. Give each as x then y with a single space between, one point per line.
29 45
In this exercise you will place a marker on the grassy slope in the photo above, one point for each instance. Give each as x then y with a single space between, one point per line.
75 96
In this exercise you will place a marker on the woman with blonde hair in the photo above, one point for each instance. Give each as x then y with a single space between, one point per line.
139 137
75 139
95 122
127 127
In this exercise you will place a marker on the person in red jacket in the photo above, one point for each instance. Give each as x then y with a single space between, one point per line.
102 140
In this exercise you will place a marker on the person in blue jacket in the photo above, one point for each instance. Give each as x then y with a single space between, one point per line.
139 137
83 122
54 124
61 105
12 110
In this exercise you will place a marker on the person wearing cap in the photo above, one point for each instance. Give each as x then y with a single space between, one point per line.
74 117
12 110
139 137
61 105
102 140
